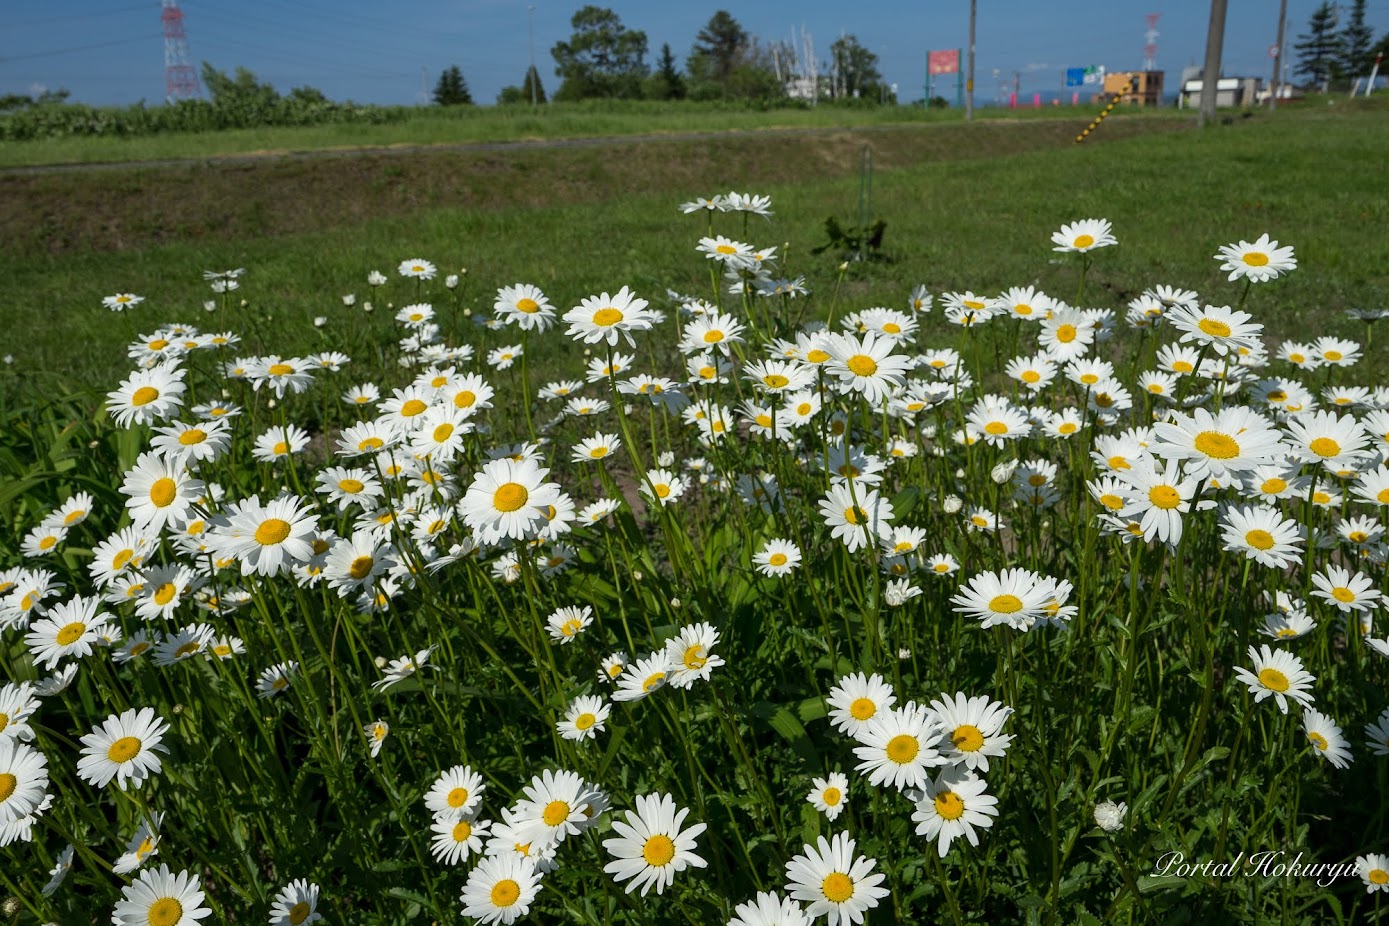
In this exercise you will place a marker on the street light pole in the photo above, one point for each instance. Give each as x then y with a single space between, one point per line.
969 77
530 30
1278 58
1210 74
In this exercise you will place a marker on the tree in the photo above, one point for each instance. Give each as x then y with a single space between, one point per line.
602 58
718 47
1319 48
855 70
513 94
452 89
1355 40
666 83
242 90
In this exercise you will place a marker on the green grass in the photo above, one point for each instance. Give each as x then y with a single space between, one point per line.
977 222
471 125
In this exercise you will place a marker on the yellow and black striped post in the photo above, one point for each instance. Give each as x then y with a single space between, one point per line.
1100 118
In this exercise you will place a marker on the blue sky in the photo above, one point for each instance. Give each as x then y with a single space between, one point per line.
111 51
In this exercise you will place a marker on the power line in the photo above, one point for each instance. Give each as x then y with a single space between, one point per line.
77 48
48 20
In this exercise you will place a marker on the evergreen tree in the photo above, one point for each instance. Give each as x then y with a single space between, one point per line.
1319 48
452 89
532 81
1356 39
718 47
666 83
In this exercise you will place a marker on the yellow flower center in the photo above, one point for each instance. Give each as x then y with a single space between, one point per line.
1332 355
71 633
658 851
1255 259
371 443
412 408
443 432
280 449
166 911
653 681
1272 679
1031 376
862 709
505 893
351 486
529 306
510 497
1273 486
1164 497
272 531
1084 241
165 593
903 748
1317 740
1378 876
775 381
831 797
48 543
1259 539
458 797
862 365
1066 334
123 749
192 436
606 318
1343 594
187 649
361 567
585 721
555 813
162 492
1022 308
967 738
694 658
817 356
837 887
8 784
1214 327
949 805
462 830
1325 447
1005 604
1215 444
996 428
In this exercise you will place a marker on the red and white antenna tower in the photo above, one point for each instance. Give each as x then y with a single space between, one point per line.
180 80
1150 43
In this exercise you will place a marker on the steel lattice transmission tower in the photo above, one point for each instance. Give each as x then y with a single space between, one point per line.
1150 43
180 80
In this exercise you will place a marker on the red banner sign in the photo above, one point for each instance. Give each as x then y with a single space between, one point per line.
944 62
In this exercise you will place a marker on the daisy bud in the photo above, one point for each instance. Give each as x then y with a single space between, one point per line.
952 504
244 303
960 473
675 603
320 320
467 313
1109 816
93 445
366 307
271 404
10 907
350 299
636 575
451 281
844 267
376 278
210 305
904 654
666 459
1001 473
380 662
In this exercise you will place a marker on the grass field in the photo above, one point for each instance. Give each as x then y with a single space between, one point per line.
467 125
963 205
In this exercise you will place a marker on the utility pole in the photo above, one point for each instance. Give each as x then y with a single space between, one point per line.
1278 58
969 77
530 31
1210 74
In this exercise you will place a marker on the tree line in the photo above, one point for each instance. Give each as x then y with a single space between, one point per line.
1331 54
604 59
